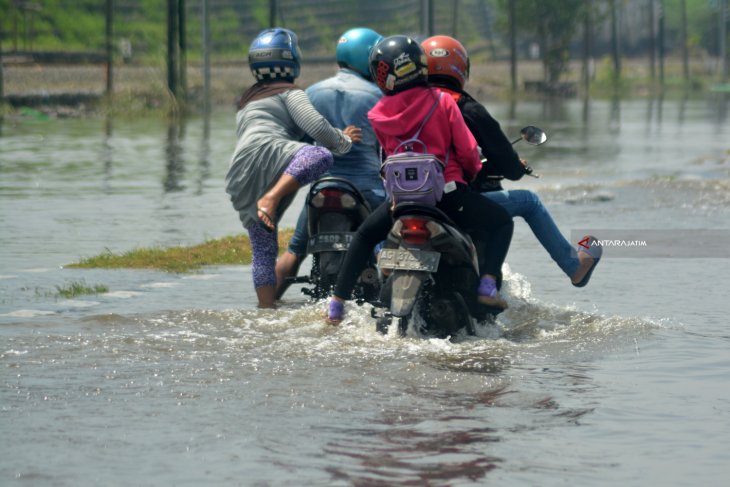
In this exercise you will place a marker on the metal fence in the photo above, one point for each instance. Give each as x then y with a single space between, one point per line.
139 30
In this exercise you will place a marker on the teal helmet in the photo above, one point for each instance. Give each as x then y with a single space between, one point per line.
353 49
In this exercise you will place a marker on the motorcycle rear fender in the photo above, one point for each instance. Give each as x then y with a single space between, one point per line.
330 262
406 288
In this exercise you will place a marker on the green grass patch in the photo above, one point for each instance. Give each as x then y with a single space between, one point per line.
233 250
79 288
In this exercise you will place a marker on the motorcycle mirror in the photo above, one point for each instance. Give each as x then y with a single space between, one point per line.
532 135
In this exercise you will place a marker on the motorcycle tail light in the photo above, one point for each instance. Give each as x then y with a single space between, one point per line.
415 231
333 199
348 201
435 229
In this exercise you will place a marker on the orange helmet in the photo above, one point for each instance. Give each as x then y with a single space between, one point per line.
448 61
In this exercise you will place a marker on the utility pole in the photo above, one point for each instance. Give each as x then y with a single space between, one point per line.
109 47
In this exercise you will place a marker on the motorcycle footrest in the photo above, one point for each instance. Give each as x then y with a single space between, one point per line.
298 280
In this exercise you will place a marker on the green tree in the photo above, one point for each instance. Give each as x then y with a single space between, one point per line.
553 24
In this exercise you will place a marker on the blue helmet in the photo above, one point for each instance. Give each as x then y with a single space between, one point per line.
274 54
353 49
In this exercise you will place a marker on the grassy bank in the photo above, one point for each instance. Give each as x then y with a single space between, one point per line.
233 250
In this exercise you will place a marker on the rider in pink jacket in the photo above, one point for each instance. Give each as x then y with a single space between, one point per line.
446 132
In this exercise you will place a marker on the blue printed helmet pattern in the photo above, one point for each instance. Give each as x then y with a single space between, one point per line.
274 54
353 49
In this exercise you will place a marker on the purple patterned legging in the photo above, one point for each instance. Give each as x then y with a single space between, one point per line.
307 165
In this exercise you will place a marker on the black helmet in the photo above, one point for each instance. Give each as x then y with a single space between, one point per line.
398 63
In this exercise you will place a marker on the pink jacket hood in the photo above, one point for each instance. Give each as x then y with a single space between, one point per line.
396 118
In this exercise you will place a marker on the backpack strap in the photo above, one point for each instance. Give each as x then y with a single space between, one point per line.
413 139
423 123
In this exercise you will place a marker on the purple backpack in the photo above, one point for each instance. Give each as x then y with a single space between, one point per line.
411 175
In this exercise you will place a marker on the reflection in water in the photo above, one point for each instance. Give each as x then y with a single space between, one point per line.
421 447
654 114
614 123
721 101
682 109
107 153
649 114
554 108
204 153
174 154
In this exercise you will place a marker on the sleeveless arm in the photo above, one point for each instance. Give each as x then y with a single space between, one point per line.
314 124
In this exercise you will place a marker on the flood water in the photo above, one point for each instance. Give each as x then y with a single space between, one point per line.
178 379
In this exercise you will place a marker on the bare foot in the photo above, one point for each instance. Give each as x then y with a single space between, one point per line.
266 211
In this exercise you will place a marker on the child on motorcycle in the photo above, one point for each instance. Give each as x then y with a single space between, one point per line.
398 66
270 161
343 100
448 69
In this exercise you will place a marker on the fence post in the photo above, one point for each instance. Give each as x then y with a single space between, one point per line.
2 83
455 20
272 13
431 29
513 45
652 40
615 41
723 40
661 42
182 49
685 50
206 57
587 45
172 67
109 47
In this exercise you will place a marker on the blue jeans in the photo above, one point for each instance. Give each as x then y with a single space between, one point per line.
298 242
527 204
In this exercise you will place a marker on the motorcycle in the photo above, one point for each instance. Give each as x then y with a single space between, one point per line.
335 209
432 271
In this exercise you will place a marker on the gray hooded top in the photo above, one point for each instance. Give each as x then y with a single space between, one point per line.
270 131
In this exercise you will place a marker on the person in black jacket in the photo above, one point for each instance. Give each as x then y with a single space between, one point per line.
448 69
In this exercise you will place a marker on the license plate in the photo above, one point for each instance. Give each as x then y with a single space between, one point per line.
324 242
409 259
